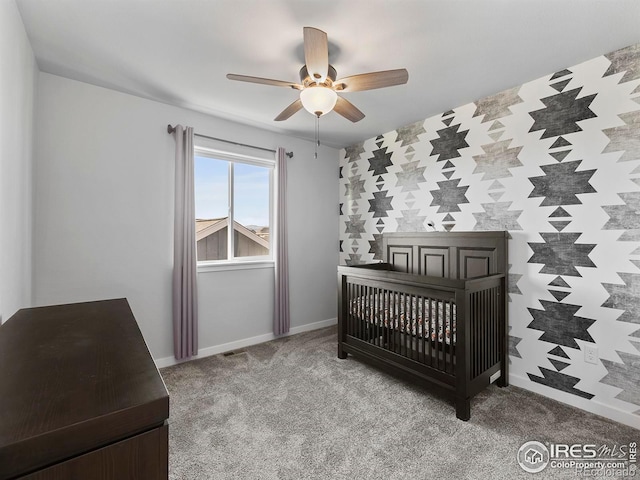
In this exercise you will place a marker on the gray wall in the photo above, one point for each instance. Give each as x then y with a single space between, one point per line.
18 76
104 216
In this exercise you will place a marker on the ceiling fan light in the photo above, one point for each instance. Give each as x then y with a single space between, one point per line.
318 100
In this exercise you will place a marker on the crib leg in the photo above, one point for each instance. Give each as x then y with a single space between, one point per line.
463 408
341 353
503 381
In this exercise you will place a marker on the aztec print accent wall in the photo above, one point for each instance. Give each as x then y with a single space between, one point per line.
556 162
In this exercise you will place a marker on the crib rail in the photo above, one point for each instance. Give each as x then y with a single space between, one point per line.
412 322
435 323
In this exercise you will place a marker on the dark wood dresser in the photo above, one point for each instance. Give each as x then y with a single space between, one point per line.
80 396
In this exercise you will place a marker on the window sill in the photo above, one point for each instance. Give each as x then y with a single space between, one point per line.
224 266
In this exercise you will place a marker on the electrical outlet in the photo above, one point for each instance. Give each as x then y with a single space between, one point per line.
591 354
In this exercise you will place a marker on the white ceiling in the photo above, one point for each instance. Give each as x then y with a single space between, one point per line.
456 51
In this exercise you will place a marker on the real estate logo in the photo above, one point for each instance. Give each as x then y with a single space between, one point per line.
586 460
533 457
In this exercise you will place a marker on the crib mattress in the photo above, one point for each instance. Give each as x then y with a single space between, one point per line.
420 317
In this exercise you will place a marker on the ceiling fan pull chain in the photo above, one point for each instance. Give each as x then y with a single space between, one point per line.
317 136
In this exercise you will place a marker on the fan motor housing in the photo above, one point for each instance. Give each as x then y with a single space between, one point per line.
306 79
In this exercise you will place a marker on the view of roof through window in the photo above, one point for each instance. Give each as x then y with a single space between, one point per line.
214 178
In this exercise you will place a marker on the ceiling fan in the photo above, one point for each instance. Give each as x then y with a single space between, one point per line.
318 85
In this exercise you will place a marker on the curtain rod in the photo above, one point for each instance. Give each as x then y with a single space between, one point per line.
171 129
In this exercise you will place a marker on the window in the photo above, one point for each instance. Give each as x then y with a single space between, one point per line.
232 189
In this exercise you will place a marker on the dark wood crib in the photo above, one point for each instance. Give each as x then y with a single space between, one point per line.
434 309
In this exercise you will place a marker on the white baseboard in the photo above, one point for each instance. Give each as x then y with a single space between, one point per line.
245 342
592 406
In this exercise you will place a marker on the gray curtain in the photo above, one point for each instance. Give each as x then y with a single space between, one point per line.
281 321
185 301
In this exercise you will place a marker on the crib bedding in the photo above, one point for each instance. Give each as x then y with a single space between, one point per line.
405 313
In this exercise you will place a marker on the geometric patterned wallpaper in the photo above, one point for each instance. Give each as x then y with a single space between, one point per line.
556 162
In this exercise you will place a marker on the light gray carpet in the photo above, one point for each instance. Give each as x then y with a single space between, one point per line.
290 409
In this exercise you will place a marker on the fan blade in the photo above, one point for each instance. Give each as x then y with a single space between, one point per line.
290 110
263 81
370 81
348 110
316 53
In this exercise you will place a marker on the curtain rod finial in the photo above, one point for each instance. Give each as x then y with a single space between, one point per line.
170 129
289 154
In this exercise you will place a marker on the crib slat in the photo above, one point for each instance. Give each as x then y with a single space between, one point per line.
418 337
381 309
445 349
392 320
487 331
356 323
491 329
478 334
437 332
382 322
381 318
351 308
376 326
496 315
483 339
406 328
358 293
405 323
482 349
385 336
430 331
415 330
355 306
367 316
485 323
483 334
445 312
363 320
398 323
401 322
475 315
366 325
392 316
451 344
401 319
415 344
421 337
471 333
408 318
358 300
397 330
363 312
429 328
362 292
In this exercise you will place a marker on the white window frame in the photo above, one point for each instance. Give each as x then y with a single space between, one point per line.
232 262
